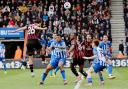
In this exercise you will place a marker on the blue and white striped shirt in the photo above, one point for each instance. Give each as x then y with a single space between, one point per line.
57 52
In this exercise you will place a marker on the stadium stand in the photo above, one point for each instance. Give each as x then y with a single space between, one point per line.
84 16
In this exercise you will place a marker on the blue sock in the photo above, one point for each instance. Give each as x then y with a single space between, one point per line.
109 68
51 72
5 67
56 70
101 78
89 80
44 76
63 74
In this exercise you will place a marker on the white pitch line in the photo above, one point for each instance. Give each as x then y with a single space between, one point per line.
77 86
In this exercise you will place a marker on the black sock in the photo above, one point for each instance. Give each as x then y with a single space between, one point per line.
83 73
31 68
73 69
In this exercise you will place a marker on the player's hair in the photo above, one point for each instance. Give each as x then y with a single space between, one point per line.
96 42
59 35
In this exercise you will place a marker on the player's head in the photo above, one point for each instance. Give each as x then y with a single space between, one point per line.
58 38
95 43
88 37
105 38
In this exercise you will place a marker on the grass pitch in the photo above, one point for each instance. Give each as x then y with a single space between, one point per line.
21 79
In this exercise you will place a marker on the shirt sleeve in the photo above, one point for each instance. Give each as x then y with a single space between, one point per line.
63 44
52 44
94 51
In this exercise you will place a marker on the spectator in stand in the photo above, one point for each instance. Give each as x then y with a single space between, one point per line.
83 14
6 10
67 29
11 23
121 47
18 53
17 17
5 21
1 22
45 16
23 8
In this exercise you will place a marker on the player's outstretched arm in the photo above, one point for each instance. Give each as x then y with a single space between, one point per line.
20 29
39 28
92 57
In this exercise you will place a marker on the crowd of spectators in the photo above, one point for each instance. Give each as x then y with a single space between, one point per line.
84 16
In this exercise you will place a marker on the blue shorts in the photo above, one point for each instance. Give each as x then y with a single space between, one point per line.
98 67
54 61
2 59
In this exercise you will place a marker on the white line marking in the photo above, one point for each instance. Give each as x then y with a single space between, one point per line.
77 86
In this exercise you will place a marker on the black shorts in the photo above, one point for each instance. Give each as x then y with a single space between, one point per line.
32 46
78 61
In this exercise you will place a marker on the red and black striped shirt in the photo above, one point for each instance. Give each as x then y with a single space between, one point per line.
87 48
32 32
78 54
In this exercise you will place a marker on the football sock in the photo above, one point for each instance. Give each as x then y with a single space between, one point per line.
63 74
109 68
83 73
74 71
89 80
101 78
31 67
44 76
5 67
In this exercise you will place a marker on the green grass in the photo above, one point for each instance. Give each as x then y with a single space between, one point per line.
21 79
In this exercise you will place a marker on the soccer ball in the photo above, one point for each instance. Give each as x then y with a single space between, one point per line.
67 5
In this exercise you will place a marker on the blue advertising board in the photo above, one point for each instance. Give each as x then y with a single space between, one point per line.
5 33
